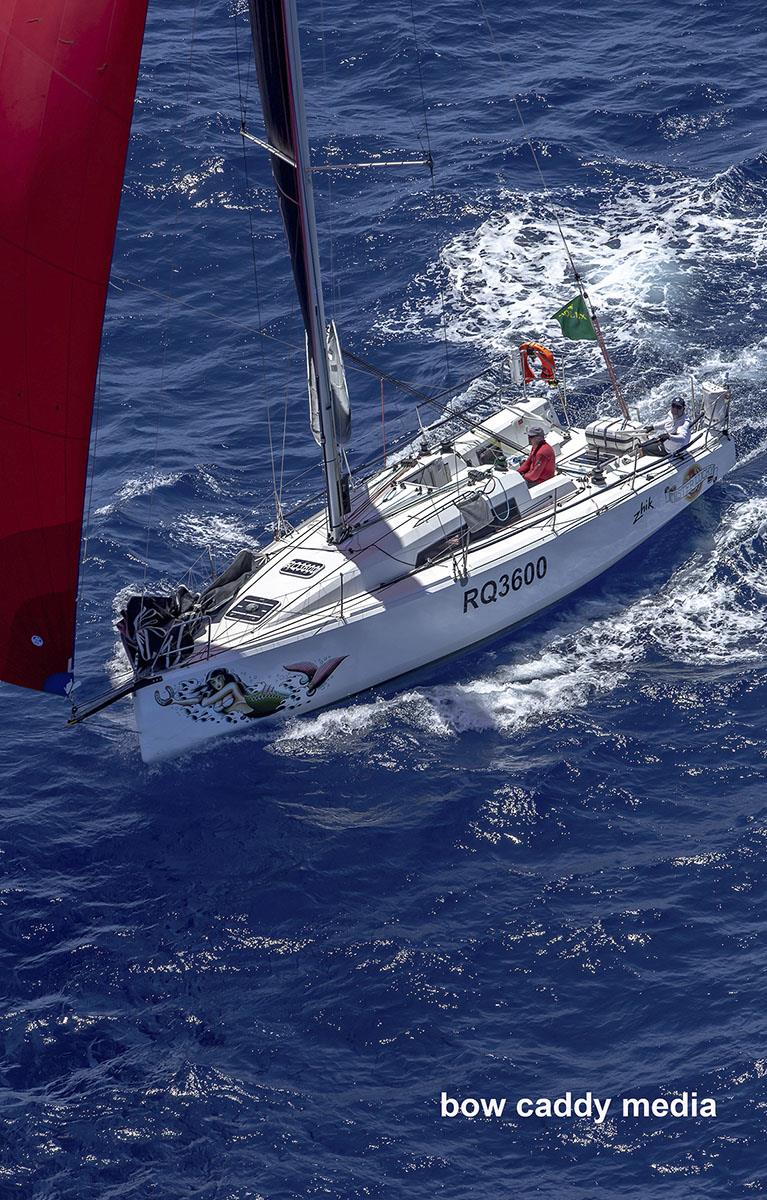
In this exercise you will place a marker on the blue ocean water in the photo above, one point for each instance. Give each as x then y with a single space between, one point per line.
538 868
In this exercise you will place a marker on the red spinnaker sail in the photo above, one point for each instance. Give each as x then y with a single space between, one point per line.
68 73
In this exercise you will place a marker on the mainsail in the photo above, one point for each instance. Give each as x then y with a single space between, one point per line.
68 73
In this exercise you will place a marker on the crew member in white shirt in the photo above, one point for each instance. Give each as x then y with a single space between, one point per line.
677 427
676 432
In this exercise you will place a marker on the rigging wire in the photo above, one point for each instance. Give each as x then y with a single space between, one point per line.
580 283
279 518
284 439
331 241
164 362
356 362
406 438
273 466
89 486
207 312
248 79
430 162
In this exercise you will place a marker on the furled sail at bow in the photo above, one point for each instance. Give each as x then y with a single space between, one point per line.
68 72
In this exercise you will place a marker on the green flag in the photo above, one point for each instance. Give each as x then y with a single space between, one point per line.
575 321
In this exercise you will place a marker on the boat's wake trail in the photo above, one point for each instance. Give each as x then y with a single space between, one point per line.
669 259
710 614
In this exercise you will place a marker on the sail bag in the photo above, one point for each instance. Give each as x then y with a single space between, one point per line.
68 73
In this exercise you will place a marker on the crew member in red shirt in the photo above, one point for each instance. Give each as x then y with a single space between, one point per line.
540 464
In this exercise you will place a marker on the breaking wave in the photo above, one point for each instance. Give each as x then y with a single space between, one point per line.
669 260
212 531
142 485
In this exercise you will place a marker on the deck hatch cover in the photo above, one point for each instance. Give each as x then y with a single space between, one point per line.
253 609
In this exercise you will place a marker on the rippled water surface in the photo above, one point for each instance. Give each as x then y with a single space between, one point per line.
536 868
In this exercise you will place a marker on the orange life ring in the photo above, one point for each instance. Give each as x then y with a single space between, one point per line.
545 363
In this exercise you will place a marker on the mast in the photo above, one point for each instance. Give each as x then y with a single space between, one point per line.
331 458
274 25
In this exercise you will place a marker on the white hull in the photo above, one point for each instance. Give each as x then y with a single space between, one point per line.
350 645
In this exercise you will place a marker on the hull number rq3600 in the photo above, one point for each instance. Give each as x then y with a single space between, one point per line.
497 589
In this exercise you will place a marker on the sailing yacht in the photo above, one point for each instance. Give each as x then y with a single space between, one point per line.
442 547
